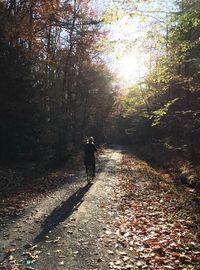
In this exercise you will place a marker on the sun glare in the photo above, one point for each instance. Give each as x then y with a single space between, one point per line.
128 58
128 67
131 67
129 53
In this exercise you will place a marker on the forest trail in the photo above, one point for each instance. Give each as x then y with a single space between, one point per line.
131 217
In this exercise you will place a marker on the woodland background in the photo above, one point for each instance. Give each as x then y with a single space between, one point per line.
56 89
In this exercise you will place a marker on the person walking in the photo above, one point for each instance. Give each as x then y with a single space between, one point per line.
89 155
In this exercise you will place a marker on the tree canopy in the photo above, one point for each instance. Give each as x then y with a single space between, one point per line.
55 87
165 104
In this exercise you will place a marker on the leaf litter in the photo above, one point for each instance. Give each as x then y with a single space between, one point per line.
155 226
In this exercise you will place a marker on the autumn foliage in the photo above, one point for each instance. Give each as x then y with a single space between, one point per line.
55 88
156 226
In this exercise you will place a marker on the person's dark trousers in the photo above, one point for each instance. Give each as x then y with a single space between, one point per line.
93 168
89 163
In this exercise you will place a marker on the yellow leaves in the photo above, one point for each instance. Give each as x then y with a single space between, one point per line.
112 15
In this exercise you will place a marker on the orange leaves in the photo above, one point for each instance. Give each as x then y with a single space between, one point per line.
118 223
135 223
175 254
128 187
154 221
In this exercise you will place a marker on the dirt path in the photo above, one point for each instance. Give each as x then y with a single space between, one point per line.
131 217
62 230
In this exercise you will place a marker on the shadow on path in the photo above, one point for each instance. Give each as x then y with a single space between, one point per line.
62 212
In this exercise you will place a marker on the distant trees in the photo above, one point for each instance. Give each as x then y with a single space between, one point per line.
170 110
176 79
17 108
55 88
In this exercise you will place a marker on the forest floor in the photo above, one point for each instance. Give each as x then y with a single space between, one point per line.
131 217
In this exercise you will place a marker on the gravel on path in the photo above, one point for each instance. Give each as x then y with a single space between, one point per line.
63 230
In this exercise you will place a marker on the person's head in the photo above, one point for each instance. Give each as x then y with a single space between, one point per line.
91 140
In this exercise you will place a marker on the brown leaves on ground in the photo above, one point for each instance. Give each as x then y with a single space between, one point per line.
155 221
15 200
24 181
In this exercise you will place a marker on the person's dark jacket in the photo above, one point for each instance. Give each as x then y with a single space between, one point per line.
89 153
